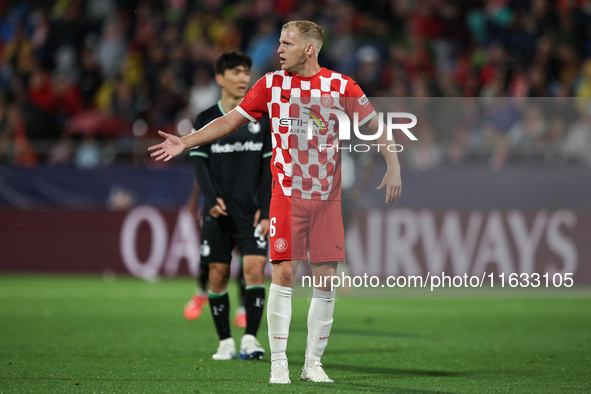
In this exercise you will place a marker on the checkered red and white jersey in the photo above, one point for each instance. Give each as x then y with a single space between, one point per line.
303 167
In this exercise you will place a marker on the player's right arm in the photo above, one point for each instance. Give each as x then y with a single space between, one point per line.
219 128
193 202
201 156
213 204
252 107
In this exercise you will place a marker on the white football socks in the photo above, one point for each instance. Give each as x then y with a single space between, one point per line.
319 324
278 319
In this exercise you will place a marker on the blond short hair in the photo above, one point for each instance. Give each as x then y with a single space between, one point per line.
309 31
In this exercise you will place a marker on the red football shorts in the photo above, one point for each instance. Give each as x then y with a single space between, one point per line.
299 228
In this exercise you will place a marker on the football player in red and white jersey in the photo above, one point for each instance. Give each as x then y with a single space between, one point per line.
305 213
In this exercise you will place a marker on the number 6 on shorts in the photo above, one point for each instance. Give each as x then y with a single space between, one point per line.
272 228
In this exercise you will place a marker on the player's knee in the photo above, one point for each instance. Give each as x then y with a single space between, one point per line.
253 276
218 277
254 268
283 275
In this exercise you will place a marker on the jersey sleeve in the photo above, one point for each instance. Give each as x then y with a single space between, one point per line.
254 105
358 103
204 181
264 185
201 156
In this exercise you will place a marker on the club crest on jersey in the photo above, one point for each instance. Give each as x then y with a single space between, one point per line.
326 100
280 245
254 128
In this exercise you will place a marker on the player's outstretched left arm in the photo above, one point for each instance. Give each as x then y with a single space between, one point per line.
391 181
173 146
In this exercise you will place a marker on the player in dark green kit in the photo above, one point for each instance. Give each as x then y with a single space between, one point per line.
235 179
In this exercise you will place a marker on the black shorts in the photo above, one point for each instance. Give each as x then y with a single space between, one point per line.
219 237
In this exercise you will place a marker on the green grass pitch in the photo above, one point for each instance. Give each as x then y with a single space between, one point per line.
88 334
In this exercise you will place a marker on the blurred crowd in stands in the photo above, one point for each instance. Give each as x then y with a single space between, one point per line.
88 83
